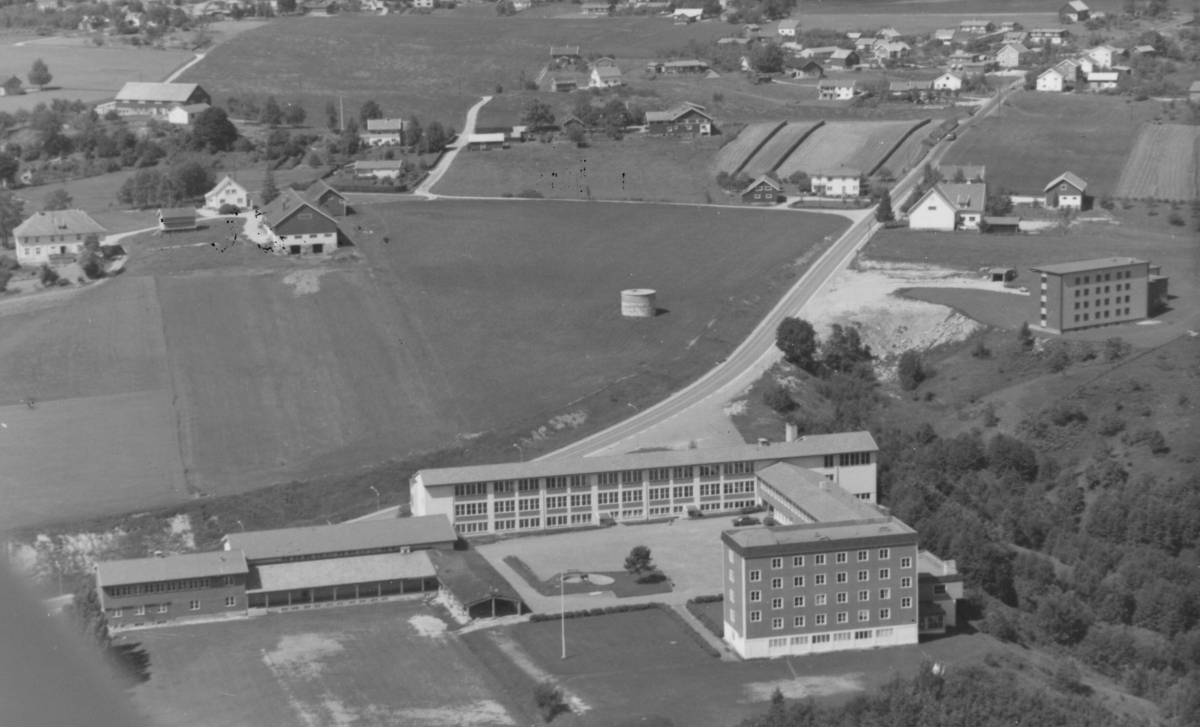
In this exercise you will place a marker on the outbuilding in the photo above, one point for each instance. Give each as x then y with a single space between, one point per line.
1066 191
485 142
175 219
766 190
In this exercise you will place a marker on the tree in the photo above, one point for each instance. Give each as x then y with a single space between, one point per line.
843 349
435 138
711 8
39 74
911 370
413 131
287 6
48 275
577 135
999 202
9 166
89 615
331 115
767 58
369 110
294 114
1024 336
798 340
269 190
537 115
272 114
213 128
883 212
638 561
191 179
58 199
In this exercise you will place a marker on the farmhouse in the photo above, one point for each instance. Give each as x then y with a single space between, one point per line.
183 115
686 119
485 142
562 83
1010 26
327 199
1051 80
604 62
605 77
838 182
53 237
823 51
594 8
767 189
962 174
297 227
1066 191
949 207
1147 51
1099 292
888 34
685 66
787 28
977 26
173 219
945 36
892 50
808 69
1069 68
1103 80
688 14
379 169
12 87
155 99
1075 11
834 90
176 588
948 81
960 57
911 90
1012 55
1053 36
384 132
227 191
532 496
1102 57
843 58
565 54
1016 36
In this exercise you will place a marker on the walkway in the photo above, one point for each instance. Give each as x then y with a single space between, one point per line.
171 78
435 174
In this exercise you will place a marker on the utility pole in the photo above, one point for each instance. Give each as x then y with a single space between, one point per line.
341 113
562 609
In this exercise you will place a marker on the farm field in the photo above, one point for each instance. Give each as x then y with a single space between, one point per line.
418 64
85 73
1002 310
862 145
370 665
637 167
1035 137
734 155
772 154
1163 165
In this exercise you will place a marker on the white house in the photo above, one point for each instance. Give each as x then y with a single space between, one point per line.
949 81
1102 57
888 34
384 132
1012 55
184 115
949 207
891 50
53 237
688 14
1103 80
787 28
605 77
837 182
834 90
1051 81
227 191
1075 11
379 169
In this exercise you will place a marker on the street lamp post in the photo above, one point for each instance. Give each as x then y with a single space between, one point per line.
522 451
562 609
239 522
378 499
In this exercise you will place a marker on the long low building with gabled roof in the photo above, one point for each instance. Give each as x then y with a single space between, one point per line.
138 98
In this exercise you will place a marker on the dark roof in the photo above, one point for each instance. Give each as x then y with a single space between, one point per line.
1069 178
285 205
1084 266
321 539
157 92
318 188
470 578
170 568
59 222
177 212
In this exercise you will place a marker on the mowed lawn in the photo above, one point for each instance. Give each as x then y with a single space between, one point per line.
84 72
1035 137
366 666
1003 310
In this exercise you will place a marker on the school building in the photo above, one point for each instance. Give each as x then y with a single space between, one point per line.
547 494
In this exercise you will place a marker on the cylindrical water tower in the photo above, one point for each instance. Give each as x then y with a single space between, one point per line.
639 303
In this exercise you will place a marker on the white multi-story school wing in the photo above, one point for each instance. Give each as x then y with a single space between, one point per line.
588 491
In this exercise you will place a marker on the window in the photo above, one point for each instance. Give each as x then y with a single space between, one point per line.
864 615
683 492
820 621
732 615
885 594
755 576
660 474
776 583
529 522
163 607
820 559
527 485
885 573
862 555
755 596
608 498
885 614
581 500
631 476
580 518
822 599
755 616
531 503
819 579
906 583
939 588
230 601
556 483
843 617
864 595
776 603
777 623
554 501
864 576
906 602
739 468
554 521
117 613
842 577
659 493
730 552
506 506
843 597
731 594
797 622
885 553
471 488
798 582
682 473
842 557
906 562
710 470
798 562
829 461
607 478
631 496
194 605
776 563
851 459
739 488
798 602
862 634
821 638
506 524
710 490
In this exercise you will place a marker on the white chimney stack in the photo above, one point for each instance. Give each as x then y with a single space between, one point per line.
791 432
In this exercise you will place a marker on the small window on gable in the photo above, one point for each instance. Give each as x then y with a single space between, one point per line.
305 216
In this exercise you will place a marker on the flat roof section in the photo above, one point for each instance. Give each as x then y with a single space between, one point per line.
1084 266
346 537
170 568
809 446
341 571
817 537
814 495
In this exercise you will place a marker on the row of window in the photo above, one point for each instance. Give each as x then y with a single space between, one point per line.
624 477
1099 316
1116 300
186 584
861 556
193 605
1087 279
1083 292
821 619
821 599
825 638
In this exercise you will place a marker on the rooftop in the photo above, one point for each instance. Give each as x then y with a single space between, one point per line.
73 222
342 571
809 446
1084 266
929 563
840 172
1069 178
386 124
170 568
323 539
159 92
177 212
816 533
380 164
467 575
812 494
964 197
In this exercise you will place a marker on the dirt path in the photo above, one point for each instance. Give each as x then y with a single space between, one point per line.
435 175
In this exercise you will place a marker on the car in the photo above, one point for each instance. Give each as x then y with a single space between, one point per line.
745 520
951 136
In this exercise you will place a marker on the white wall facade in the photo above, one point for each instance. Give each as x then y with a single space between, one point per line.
932 213
1050 83
36 250
288 244
230 193
819 643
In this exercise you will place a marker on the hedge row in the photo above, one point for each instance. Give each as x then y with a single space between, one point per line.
717 629
708 599
583 613
691 630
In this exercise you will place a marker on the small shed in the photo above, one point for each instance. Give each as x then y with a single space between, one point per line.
1002 225
174 219
485 142
473 586
1002 275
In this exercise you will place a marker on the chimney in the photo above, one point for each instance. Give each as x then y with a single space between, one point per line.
764 442
791 432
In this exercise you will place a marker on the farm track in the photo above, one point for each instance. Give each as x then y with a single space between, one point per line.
1163 164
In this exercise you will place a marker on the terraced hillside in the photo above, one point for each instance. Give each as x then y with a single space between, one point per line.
779 147
734 155
1163 164
862 145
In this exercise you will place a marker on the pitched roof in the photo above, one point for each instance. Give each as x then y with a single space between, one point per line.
485 138
964 197
607 72
839 172
974 23
815 496
286 204
789 24
943 33
1069 178
318 188
832 83
177 212
676 111
470 578
369 164
1077 5
324 539
225 182
170 568
689 63
341 571
1018 47
770 178
386 124
158 92
817 444
840 54
58 222
1083 266
1048 71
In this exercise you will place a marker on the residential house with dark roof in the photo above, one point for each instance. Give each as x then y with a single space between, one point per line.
1075 11
605 77
1052 36
977 26
766 190
327 199
12 87
1012 55
53 237
1066 191
380 169
808 68
949 207
185 115
563 83
177 219
680 66
174 588
685 119
564 54
384 132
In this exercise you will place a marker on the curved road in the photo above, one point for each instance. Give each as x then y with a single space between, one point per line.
435 174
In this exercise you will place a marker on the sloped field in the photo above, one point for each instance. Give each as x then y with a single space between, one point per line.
1163 164
862 145
734 155
779 147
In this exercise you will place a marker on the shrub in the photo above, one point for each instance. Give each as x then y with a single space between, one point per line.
980 349
1110 424
5 276
1062 413
549 699
776 398
989 415
228 209
1058 357
1115 349
1176 219
715 628
1152 438
48 275
911 370
769 521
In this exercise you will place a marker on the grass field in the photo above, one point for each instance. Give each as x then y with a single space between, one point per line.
772 154
383 664
1163 165
637 167
1002 310
85 73
1034 137
734 155
862 145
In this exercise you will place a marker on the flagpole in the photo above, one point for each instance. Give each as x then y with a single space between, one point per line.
562 610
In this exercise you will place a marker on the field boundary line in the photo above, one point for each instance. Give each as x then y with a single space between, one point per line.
884 159
791 150
758 148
